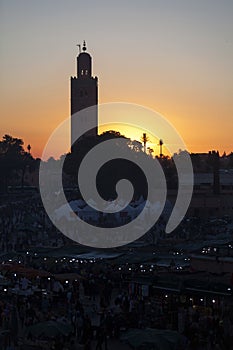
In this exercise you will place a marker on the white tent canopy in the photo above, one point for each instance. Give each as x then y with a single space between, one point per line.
132 210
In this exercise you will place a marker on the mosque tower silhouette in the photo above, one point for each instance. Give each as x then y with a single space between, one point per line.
84 94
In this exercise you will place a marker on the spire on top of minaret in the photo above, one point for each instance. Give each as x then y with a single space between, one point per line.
84 45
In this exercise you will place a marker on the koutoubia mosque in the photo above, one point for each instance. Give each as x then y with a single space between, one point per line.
84 94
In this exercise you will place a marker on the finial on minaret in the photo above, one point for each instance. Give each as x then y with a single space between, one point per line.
84 45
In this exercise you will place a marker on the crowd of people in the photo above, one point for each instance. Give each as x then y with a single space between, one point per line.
23 224
95 306
100 306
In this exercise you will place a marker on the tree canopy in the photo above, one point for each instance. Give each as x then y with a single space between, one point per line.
13 160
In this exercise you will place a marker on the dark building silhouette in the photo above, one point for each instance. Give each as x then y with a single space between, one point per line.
216 165
84 93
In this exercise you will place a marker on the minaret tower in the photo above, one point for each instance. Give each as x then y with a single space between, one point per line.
84 93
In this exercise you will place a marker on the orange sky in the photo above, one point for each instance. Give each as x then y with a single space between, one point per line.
176 59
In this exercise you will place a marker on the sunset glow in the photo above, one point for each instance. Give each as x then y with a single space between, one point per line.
173 57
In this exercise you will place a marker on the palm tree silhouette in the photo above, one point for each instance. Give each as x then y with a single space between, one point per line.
144 140
160 148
